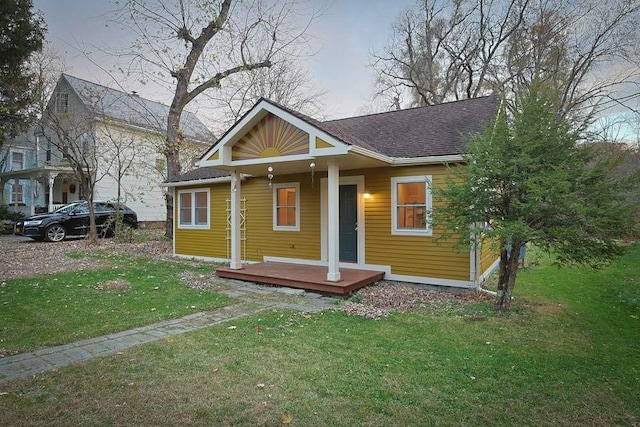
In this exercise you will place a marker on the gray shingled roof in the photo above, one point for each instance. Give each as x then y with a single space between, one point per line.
201 173
133 109
436 130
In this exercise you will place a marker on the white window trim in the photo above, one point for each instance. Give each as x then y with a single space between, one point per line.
193 192
12 198
427 231
21 153
277 227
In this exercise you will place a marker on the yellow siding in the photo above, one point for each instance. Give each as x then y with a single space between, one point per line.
421 256
488 255
408 255
262 240
206 243
321 143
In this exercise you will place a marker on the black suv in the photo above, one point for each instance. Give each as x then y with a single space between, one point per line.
73 220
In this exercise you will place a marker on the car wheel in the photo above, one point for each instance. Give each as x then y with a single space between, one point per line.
55 233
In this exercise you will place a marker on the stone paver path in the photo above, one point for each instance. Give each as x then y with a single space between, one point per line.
251 299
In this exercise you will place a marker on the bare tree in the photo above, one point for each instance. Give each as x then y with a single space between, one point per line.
444 50
588 50
46 67
286 82
74 138
199 44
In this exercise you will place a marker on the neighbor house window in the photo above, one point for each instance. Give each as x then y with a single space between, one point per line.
411 200
17 161
17 193
62 103
286 207
193 208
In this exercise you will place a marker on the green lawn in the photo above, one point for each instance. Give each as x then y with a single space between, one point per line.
569 354
127 292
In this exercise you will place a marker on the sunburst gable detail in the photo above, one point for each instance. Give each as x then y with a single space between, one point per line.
271 137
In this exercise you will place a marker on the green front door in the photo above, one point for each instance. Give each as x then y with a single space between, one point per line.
349 223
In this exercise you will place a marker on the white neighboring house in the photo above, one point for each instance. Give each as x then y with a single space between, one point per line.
121 132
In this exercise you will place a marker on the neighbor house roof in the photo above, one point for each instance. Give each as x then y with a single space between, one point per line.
132 109
201 173
431 131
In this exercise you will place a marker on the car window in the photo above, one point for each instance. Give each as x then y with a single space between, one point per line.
81 209
102 207
66 209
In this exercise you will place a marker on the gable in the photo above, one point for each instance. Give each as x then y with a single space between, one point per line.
271 137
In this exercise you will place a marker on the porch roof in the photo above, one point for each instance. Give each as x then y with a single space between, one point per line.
41 171
431 134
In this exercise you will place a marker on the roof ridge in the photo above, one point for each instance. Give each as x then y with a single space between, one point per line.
129 94
409 109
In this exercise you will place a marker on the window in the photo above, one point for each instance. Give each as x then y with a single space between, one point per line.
17 161
286 211
62 103
17 193
411 205
193 208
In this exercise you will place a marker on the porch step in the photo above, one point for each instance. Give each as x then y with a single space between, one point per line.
308 277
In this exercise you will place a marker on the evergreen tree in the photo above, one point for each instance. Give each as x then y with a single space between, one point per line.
21 34
527 179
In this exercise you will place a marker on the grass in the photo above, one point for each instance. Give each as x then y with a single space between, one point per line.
127 292
568 354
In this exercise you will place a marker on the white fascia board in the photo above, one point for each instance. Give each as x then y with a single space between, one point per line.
197 182
270 160
406 161
372 154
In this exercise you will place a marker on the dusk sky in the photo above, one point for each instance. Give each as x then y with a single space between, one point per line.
344 36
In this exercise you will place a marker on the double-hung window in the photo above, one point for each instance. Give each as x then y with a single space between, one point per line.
62 103
17 192
17 161
286 207
411 205
193 208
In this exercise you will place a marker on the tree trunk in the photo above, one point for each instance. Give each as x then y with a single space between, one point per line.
507 278
93 230
172 153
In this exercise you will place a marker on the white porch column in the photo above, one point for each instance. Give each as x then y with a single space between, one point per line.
32 197
333 226
51 179
236 259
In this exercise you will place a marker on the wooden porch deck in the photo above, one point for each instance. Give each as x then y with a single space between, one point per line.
308 277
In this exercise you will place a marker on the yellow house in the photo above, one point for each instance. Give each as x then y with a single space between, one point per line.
282 189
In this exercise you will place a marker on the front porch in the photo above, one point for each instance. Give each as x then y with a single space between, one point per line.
308 277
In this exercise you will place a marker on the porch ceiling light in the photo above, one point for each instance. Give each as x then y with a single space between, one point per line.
270 176
313 171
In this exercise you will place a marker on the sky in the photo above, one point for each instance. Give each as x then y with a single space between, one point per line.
344 36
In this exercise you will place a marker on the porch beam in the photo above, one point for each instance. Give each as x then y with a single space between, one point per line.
333 226
236 259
